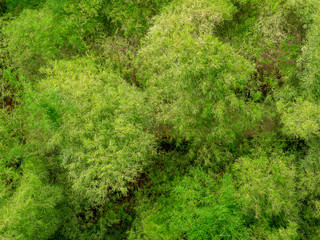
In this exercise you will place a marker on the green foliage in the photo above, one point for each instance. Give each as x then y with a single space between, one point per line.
36 37
19 5
104 143
195 119
266 181
309 192
199 207
133 18
3 7
198 86
32 212
29 197
311 59
10 89
118 53
11 154
301 120
271 21
271 34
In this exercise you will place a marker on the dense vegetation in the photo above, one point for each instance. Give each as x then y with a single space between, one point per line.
159 119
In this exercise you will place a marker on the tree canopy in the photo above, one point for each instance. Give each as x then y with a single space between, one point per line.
159 119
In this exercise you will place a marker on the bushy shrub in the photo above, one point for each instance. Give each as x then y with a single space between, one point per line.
309 186
199 207
3 7
198 86
37 36
301 120
133 18
32 211
11 154
19 5
267 183
104 145
195 119
310 60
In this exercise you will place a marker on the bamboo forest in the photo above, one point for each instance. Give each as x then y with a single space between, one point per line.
159 119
